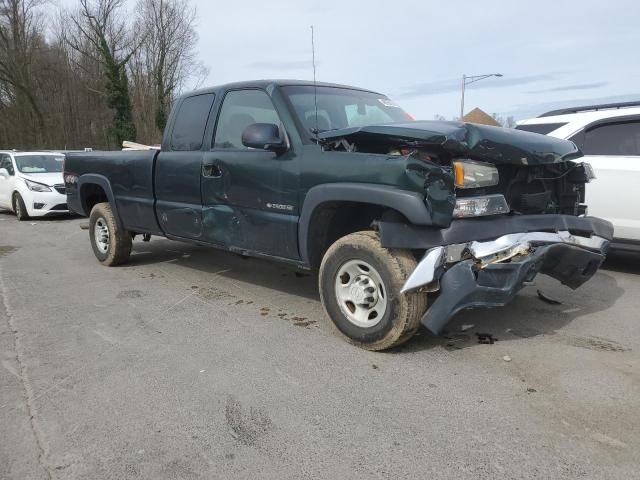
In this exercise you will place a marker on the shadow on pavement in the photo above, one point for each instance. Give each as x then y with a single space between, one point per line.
624 262
273 275
9 215
527 316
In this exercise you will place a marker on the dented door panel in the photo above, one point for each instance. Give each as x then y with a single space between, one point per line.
251 203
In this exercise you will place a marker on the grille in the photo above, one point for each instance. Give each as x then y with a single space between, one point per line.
549 188
60 206
60 189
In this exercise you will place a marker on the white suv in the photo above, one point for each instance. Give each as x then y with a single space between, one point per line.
31 183
609 137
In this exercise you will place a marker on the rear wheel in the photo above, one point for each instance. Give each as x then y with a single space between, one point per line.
110 242
19 208
360 284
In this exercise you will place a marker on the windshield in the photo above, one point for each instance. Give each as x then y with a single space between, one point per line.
341 108
39 163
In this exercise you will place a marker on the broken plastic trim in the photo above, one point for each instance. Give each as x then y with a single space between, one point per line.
485 250
494 251
463 286
425 272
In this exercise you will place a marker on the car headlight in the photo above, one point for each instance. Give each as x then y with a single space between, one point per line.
36 187
473 174
588 171
480 206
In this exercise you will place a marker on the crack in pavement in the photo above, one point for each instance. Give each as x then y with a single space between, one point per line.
26 385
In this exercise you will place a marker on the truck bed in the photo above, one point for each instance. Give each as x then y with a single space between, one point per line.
128 176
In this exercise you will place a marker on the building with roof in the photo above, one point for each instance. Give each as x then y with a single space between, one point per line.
478 116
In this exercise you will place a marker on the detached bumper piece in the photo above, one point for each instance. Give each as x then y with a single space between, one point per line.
489 274
463 286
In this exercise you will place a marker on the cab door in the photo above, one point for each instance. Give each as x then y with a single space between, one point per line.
249 196
178 170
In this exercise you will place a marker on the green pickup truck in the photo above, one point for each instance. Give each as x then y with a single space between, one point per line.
407 221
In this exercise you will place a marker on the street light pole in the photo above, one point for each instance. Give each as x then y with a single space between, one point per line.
464 84
468 79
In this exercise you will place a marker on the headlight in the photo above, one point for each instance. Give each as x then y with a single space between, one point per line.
588 171
473 174
480 206
36 187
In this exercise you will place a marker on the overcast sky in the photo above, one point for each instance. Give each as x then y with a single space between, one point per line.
551 53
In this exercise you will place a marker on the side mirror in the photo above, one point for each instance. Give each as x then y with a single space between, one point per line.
4 173
265 136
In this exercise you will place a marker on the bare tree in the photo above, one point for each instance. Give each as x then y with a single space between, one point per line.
98 78
99 34
507 122
167 56
20 37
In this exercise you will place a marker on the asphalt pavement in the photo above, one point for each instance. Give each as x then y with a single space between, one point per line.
195 363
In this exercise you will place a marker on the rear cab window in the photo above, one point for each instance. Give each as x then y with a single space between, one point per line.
190 123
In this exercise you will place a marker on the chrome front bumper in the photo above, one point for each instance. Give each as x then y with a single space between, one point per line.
490 273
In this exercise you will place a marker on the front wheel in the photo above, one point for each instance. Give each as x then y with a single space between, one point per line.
360 284
110 242
19 208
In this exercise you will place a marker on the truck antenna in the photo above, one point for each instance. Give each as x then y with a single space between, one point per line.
315 85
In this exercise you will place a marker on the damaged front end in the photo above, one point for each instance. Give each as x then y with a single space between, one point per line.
504 205
467 170
490 273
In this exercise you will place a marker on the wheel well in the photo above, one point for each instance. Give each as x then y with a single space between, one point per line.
333 220
90 195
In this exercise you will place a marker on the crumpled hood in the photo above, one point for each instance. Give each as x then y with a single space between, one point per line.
479 142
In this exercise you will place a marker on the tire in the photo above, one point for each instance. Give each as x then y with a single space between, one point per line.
343 276
19 208
111 243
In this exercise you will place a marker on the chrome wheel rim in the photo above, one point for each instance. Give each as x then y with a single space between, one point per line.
17 208
101 235
360 293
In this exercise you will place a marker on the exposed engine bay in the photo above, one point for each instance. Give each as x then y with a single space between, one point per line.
554 188
532 180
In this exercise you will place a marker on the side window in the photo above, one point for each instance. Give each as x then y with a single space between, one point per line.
578 139
541 128
5 162
191 120
622 138
240 109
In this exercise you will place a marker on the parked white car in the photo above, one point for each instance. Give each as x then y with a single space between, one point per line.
609 137
31 183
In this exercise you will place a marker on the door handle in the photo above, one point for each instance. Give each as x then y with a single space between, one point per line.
211 170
